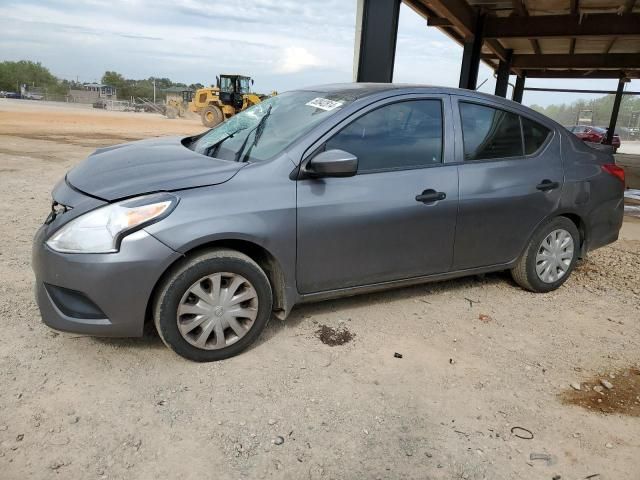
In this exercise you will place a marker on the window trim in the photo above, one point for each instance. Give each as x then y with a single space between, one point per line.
462 99
399 168
543 145
480 104
449 142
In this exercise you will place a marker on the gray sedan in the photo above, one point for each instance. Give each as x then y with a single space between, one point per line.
315 194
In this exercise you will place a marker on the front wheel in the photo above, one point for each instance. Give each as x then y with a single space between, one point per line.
213 306
212 116
550 256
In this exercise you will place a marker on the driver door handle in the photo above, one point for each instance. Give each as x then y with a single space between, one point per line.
430 196
547 185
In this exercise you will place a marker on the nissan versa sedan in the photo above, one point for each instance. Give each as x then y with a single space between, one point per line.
315 194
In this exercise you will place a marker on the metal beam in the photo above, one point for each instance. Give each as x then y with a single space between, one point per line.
615 111
626 9
585 61
582 73
549 26
502 81
471 57
438 22
578 90
461 19
574 8
376 36
520 7
459 13
518 91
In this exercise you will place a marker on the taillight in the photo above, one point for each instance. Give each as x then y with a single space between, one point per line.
615 170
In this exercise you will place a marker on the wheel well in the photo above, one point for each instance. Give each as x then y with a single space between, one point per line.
579 223
258 254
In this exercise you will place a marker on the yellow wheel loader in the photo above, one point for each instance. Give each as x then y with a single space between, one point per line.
178 101
231 95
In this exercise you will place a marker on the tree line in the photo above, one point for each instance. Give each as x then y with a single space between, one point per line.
567 114
37 76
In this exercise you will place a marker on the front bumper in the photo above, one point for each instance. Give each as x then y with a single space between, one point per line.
118 284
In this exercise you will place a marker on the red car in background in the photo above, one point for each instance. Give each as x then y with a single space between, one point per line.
588 133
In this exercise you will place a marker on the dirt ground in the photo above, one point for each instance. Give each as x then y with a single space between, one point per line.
477 357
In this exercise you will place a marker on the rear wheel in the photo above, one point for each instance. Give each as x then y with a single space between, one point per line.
212 116
550 256
213 306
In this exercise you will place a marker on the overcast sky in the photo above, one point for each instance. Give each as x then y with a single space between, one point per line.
283 44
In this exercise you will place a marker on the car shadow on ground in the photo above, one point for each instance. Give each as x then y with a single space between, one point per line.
305 312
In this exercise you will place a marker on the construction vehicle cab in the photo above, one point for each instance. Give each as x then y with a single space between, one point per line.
233 88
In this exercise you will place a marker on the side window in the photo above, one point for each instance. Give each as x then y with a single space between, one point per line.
489 132
400 135
534 135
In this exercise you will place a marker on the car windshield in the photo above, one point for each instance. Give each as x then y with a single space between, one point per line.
266 129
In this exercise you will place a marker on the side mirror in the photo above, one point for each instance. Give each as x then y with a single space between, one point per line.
332 163
252 81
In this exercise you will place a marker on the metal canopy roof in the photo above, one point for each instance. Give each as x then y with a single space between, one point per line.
546 38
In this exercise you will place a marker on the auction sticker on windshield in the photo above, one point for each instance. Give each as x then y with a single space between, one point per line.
323 103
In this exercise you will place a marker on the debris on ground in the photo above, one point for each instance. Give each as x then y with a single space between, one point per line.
600 395
484 318
521 432
397 355
576 386
278 440
471 302
606 384
550 459
334 336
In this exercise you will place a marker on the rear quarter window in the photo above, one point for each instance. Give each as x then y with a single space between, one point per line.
489 132
534 135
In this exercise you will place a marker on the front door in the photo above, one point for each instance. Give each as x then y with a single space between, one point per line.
511 179
396 218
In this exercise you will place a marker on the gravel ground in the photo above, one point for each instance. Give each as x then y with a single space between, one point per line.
479 357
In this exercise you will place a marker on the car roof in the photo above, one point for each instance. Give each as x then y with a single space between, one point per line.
358 91
361 90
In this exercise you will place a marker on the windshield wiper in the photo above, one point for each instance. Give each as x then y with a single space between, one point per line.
258 129
212 150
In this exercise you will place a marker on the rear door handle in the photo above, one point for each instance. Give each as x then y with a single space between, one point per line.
547 185
430 196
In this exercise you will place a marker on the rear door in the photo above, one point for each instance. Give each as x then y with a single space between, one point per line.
380 225
511 179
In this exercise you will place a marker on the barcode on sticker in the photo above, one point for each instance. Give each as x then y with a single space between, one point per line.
323 103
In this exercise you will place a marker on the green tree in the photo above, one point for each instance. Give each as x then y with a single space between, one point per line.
567 114
14 74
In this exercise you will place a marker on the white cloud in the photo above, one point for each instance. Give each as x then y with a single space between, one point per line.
296 59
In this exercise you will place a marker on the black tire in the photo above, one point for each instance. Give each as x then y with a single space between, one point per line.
524 273
212 116
183 276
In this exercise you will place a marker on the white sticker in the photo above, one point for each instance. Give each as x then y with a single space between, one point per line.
323 103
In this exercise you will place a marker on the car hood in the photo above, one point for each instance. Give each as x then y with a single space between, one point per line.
153 165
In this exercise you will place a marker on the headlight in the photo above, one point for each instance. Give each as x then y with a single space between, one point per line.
102 229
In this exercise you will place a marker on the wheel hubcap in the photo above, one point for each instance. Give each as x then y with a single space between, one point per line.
217 311
554 256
